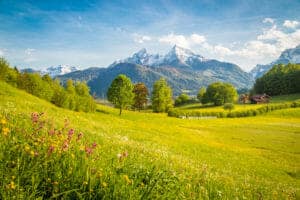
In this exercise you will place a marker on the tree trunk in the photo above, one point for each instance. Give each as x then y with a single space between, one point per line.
120 111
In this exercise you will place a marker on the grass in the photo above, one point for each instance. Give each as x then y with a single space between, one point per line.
168 158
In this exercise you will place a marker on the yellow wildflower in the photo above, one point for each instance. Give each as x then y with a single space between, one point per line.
5 131
27 148
85 182
32 153
12 185
82 148
3 121
126 178
104 184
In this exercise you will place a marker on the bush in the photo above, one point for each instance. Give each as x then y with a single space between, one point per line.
245 113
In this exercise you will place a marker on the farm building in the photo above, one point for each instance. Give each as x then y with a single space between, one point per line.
260 98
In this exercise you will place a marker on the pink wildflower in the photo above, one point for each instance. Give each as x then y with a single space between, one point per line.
51 132
51 149
94 145
65 145
34 117
88 150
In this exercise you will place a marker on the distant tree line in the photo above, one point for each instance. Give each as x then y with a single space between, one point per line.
74 96
281 79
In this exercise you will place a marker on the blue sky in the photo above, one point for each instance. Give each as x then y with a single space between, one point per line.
86 33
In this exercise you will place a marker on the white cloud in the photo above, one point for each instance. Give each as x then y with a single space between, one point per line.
290 24
268 20
197 39
265 48
1 53
174 39
183 41
29 55
141 38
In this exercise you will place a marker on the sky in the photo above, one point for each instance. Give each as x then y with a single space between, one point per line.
95 33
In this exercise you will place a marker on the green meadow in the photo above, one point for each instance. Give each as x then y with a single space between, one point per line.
142 155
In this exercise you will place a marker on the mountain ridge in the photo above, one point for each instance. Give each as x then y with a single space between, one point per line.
184 70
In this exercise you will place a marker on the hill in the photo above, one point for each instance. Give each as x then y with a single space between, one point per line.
184 70
255 157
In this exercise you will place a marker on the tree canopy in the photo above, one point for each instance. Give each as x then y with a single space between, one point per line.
120 93
219 93
182 99
161 96
140 96
281 79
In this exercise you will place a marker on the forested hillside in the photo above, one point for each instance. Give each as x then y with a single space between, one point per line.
281 79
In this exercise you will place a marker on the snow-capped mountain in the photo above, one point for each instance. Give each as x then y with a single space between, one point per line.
184 70
59 70
287 56
177 56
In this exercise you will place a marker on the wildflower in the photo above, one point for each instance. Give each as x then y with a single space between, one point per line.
12 185
104 184
51 132
119 155
70 134
124 154
126 178
65 145
88 150
81 147
51 149
55 183
94 145
3 121
79 136
27 148
34 117
85 182
32 153
5 131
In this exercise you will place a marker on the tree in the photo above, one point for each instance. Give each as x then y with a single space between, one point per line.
70 88
161 96
219 93
140 95
182 99
228 106
201 94
120 93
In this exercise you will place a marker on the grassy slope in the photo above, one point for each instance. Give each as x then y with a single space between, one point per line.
255 154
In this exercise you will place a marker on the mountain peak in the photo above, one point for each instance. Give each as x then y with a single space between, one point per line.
59 70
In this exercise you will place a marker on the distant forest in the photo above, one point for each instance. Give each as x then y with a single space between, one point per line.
280 80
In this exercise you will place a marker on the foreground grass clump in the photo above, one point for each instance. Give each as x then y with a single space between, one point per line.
41 160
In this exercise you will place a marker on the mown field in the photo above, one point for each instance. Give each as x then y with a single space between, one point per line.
144 155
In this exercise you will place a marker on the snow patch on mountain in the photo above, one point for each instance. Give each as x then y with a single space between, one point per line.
176 54
59 70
